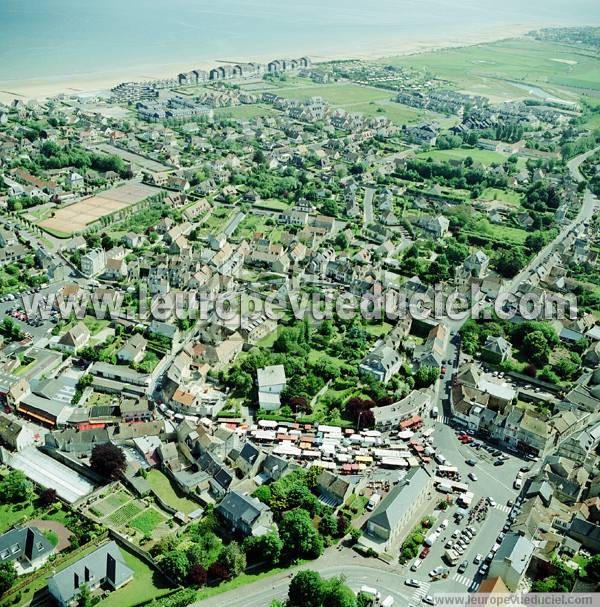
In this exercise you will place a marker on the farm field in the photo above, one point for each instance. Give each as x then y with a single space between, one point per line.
148 521
245 112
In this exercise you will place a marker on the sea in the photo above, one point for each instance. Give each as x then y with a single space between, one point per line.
54 39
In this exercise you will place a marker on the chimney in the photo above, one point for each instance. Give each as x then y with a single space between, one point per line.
86 573
75 581
111 569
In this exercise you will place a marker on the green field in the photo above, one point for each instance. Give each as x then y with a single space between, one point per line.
10 514
114 501
486 157
147 521
509 197
245 112
163 487
494 68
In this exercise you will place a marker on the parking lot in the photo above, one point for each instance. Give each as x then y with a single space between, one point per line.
494 494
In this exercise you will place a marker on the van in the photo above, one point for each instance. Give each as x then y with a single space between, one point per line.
518 483
439 458
373 501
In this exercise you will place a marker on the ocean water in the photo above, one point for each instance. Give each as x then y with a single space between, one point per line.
47 39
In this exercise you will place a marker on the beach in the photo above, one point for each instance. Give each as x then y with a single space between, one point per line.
99 82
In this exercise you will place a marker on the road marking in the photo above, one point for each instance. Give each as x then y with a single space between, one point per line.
419 593
503 508
462 579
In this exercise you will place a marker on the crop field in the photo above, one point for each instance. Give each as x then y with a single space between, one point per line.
125 514
79 215
499 68
111 503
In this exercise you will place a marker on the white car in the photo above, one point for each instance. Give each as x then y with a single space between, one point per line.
417 563
491 502
477 559
412 582
428 599
456 533
473 477
483 569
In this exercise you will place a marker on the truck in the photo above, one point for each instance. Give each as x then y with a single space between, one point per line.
388 601
444 488
373 501
371 592
434 412
465 499
451 557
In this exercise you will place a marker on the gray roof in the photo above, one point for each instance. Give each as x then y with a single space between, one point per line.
239 507
517 549
28 543
400 498
106 562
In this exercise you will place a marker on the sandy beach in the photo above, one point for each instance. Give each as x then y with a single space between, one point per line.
98 82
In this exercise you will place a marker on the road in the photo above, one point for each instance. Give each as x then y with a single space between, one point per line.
368 206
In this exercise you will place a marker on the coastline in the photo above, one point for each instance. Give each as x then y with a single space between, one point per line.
81 84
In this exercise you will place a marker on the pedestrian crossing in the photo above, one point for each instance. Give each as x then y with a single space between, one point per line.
462 579
419 593
503 508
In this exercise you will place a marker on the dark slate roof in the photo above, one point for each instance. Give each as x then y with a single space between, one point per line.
238 507
249 453
106 562
27 542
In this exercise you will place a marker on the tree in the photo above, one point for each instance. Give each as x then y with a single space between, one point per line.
265 548
509 262
175 565
592 568
197 575
299 536
337 593
306 590
328 525
108 460
85 597
47 497
426 376
536 348
8 576
364 600
233 557
15 488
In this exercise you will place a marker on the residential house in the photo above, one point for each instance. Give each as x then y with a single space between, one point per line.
271 383
93 262
382 362
103 568
75 338
496 349
26 547
512 560
133 349
245 514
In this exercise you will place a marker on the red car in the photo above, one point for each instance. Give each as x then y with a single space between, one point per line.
424 552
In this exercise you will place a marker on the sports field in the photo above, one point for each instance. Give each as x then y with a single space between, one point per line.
77 216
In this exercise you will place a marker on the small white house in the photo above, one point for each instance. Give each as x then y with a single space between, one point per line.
271 383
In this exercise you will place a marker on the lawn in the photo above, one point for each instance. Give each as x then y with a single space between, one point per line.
145 586
506 196
164 488
272 204
486 157
147 521
111 503
379 329
245 112
10 514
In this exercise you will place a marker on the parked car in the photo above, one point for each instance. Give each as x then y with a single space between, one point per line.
416 564
456 533
499 462
477 559
424 552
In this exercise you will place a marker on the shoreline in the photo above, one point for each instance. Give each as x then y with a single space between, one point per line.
40 89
